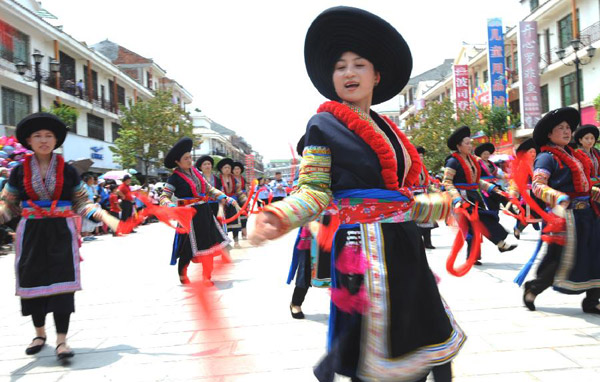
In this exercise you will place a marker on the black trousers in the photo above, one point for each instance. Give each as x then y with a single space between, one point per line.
126 209
207 266
547 271
442 373
426 234
61 321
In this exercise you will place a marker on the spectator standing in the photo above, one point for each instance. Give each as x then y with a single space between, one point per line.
278 186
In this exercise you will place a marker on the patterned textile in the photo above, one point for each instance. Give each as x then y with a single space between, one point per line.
313 194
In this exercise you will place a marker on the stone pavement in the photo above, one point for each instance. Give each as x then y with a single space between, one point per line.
134 322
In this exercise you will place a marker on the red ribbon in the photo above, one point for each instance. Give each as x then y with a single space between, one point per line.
181 215
464 219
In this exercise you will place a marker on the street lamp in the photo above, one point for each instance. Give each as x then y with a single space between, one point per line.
39 73
577 46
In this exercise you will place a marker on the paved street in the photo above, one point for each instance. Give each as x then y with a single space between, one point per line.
134 322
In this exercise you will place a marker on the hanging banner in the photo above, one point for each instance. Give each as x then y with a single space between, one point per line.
529 74
496 61
461 86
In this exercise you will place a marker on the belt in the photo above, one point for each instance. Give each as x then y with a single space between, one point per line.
579 204
467 186
188 201
40 209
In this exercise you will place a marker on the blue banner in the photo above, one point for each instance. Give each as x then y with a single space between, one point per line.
496 61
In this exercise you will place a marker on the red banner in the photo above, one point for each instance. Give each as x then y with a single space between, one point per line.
461 84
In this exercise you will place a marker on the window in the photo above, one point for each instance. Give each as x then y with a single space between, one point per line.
121 95
509 64
115 130
14 44
485 76
95 127
15 106
533 4
94 81
568 89
547 44
565 30
545 99
476 80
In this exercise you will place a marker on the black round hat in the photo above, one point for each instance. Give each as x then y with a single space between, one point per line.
343 29
223 162
184 145
527 145
238 164
582 131
41 121
484 147
300 145
421 150
457 136
553 118
203 159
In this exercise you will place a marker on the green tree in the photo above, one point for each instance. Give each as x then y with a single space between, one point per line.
495 120
432 126
148 128
66 113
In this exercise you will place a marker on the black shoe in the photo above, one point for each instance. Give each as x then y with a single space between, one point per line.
35 349
298 316
517 234
64 355
590 307
510 248
477 262
429 246
529 304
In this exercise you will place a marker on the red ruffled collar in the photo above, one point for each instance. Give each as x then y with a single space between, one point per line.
577 161
191 182
385 153
467 169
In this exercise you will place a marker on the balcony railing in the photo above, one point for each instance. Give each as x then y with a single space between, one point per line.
70 87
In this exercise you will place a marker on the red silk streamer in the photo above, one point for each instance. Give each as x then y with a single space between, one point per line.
521 216
294 163
244 209
554 224
181 215
464 219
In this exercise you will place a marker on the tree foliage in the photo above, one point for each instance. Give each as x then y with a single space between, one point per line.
150 127
495 120
432 126
68 114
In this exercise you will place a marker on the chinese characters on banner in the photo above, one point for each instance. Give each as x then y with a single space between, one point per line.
529 74
461 84
249 168
496 61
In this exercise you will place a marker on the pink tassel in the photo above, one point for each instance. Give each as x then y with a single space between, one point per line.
437 278
351 260
305 233
303 244
349 303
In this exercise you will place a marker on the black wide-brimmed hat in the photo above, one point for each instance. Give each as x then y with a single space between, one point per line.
527 145
551 120
184 145
300 145
345 29
421 150
41 121
203 159
582 131
223 162
238 164
487 146
457 136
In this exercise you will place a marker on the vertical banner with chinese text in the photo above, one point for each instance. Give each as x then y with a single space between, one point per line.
496 61
529 74
250 175
461 86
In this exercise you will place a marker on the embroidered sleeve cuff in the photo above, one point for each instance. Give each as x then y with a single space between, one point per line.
562 198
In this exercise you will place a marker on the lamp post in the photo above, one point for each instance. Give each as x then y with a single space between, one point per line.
39 74
577 62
